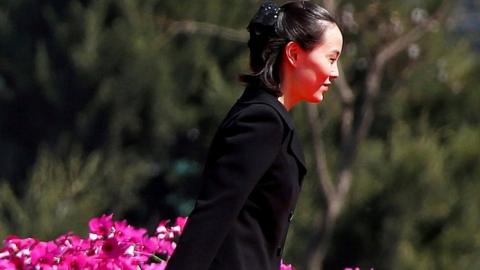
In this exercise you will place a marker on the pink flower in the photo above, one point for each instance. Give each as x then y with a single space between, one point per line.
44 254
110 246
15 244
149 245
128 233
101 227
77 261
7 265
162 230
181 221
72 244
284 266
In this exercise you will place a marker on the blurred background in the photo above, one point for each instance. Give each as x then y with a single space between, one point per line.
108 106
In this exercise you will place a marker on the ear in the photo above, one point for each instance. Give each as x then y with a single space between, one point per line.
292 53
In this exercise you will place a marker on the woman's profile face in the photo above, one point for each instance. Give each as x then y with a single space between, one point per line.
317 68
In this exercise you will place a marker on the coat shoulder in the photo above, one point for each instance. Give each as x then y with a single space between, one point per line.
253 113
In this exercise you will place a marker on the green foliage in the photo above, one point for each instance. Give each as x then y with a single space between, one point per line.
421 210
108 79
63 191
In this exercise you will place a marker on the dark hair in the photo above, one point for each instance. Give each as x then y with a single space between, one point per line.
301 21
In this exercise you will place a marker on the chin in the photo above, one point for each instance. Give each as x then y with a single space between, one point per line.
317 98
314 100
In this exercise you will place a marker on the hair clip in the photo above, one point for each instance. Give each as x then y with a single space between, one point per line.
267 14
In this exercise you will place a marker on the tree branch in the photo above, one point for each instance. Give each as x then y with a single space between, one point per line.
204 28
375 75
351 137
321 167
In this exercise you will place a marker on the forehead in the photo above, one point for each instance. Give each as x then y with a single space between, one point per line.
332 39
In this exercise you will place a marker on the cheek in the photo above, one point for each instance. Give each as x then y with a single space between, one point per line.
307 76
321 69
314 74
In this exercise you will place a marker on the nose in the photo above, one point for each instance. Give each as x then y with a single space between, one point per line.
334 73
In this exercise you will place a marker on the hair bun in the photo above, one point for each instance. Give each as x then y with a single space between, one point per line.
265 18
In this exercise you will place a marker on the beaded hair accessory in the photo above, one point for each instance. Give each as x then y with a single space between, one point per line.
265 18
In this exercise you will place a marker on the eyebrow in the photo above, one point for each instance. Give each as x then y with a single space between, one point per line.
336 52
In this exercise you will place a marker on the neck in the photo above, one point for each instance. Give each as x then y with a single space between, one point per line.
285 102
288 99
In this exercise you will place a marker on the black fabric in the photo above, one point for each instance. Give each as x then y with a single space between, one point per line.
252 179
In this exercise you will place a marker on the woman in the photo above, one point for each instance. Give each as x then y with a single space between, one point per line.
255 165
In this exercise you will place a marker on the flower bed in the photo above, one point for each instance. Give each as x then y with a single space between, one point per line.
110 245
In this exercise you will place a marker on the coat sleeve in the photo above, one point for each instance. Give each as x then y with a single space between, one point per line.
244 151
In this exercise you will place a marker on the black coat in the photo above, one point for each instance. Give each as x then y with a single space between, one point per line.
252 179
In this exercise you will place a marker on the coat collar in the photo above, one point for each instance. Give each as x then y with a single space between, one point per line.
260 95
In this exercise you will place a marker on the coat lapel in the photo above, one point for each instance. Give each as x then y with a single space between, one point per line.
297 151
